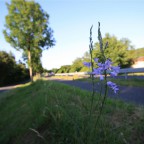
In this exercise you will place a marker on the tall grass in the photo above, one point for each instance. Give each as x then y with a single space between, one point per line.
54 113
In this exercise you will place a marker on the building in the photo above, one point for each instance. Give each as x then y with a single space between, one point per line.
138 63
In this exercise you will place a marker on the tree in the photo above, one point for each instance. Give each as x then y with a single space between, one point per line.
117 50
64 69
136 53
55 70
10 71
7 62
35 60
76 65
27 29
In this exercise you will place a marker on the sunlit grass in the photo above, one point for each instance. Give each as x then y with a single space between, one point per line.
73 77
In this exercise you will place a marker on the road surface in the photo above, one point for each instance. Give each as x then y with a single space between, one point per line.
127 93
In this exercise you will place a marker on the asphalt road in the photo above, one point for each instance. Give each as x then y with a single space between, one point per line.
126 93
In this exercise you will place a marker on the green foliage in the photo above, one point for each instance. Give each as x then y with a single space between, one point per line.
117 50
10 71
85 69
27 26
136 53
54 70
76 65
27 29
49 112
122 52
64 69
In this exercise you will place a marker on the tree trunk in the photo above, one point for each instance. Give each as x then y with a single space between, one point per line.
30 65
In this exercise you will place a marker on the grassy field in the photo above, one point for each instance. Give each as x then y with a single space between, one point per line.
47 112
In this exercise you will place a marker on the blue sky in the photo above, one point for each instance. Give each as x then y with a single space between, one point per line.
72 19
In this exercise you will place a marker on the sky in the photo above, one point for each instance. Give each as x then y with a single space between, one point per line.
71 21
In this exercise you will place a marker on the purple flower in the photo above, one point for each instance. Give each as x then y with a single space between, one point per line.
97 71
113 86
113 74
87 64
102 67
115 69
101 77
107 64
96 60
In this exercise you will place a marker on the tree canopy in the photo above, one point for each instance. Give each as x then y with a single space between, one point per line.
64 69
27 28
117 50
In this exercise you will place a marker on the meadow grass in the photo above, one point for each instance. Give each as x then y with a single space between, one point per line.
53 113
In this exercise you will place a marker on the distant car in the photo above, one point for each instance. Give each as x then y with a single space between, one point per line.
51 74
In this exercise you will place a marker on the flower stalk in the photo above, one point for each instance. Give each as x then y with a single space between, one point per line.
103 68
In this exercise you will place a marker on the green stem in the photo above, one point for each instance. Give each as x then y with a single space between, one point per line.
103 101
99 96
92 76
93 92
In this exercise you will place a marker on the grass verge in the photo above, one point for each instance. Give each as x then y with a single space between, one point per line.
122 82
54 113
